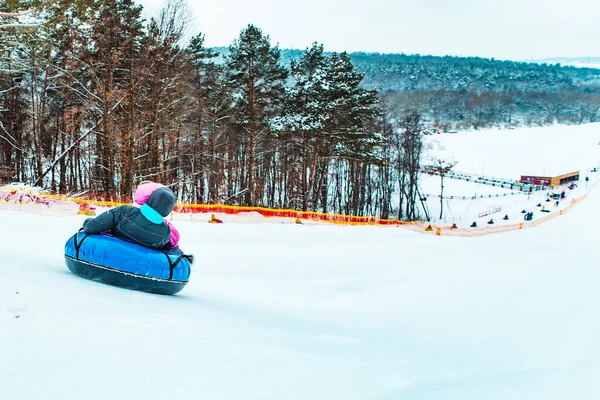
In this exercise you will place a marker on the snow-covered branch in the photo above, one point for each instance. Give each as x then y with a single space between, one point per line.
10 142
18 25
19 14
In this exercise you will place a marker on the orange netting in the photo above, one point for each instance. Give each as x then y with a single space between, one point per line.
295 215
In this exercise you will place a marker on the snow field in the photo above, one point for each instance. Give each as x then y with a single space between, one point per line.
284 311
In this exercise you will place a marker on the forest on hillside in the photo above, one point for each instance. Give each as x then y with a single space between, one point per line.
467 93
94 100
454 93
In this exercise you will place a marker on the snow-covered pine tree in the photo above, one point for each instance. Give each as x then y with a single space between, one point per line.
211 94
349 111
329 115
258 81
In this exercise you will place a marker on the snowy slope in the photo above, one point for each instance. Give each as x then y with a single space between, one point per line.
321 312
508 154
284 311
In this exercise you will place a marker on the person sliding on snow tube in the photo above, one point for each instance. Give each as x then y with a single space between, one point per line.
132 247
145 225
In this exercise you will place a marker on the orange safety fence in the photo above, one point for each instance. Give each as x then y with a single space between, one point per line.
425 227
187 208
481 231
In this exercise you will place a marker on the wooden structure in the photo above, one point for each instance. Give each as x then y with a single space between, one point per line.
550 180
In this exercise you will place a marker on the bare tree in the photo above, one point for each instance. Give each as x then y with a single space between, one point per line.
442 168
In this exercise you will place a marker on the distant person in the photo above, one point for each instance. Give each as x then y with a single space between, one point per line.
474 224
505 217
491 221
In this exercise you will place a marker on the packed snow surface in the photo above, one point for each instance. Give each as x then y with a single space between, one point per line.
285 311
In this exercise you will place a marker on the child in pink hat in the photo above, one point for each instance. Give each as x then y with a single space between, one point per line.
141 196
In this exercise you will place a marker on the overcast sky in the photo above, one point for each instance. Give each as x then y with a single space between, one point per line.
502 29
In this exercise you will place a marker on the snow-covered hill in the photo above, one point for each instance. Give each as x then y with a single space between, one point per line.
285 311
508 154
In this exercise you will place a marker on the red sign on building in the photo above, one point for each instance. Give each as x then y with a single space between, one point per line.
536 180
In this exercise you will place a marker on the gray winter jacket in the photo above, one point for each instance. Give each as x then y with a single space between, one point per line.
144 225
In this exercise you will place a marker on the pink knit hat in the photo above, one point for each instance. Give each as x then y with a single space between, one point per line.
144 190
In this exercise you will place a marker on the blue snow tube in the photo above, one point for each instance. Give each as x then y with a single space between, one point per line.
117 262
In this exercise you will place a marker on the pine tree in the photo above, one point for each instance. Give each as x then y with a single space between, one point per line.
305 118
258 81
206 82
